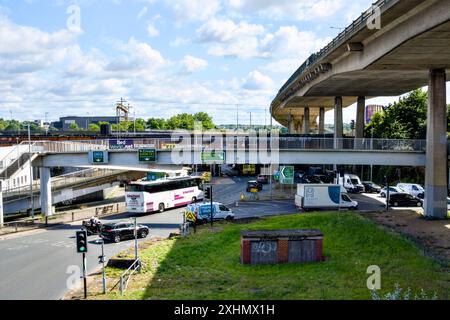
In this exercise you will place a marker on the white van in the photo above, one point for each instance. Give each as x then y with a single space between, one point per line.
352 183
202 211
413 189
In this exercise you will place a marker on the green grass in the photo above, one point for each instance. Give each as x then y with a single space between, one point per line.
206 265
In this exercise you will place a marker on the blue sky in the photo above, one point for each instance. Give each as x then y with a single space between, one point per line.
163 56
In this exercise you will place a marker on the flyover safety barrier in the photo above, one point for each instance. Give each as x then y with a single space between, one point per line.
65 180
342 38
232 143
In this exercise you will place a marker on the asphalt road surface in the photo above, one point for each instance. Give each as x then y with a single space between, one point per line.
35 266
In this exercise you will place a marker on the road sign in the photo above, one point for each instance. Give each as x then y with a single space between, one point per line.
213 156
190 216
287 175
98 157
147 155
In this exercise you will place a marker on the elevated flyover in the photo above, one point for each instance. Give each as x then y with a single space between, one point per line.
394 47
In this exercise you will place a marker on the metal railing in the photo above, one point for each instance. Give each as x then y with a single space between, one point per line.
249 143
342 37
126 276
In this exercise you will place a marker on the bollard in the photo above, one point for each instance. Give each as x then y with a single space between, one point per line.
121 285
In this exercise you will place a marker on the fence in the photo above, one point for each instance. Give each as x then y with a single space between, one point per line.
247 142
126 276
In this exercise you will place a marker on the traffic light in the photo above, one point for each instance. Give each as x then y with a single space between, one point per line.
82 242
353 125
208 193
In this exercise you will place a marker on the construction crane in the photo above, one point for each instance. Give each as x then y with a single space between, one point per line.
122 110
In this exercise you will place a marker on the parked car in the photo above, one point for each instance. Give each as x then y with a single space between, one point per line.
254 184
116 232
392 191
404 200
262 179
371 187
413 189
202 212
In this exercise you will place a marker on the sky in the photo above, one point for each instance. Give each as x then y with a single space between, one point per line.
65 58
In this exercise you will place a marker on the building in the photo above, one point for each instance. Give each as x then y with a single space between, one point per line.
84 122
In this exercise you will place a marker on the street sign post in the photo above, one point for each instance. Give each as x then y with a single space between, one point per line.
147 155
287 175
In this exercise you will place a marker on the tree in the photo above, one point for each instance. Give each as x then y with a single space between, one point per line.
74 127
94 127
156 124
406 119
205 119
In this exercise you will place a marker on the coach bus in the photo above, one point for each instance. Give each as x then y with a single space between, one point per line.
158 196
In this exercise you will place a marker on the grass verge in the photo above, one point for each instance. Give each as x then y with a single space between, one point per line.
206 265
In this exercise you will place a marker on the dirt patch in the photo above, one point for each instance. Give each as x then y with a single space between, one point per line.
433 236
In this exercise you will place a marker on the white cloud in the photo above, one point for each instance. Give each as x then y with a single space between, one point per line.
282 9
191 64
142 13
193 10
152 31
178 42
138 57
257 81
216 30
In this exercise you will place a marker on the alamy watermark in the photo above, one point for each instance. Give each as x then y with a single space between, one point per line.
217 147
374 280
74 20
374 20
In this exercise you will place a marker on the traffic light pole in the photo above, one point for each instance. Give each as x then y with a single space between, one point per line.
84 275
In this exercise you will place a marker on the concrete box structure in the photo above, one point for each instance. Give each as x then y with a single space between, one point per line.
282 246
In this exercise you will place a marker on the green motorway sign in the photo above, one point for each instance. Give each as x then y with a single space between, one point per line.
287 175
147 155
98 157
213 156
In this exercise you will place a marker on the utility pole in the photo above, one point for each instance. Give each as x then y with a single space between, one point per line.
237 117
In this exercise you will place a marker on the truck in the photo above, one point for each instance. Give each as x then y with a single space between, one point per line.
352 183
323 197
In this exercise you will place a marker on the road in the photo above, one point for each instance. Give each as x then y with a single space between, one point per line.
35 266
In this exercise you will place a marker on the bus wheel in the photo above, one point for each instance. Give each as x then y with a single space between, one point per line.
161 208
194 200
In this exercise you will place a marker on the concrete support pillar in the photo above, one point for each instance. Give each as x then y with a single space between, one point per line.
1 205
306 120
338 122
360 121
436 163
46 192
322 121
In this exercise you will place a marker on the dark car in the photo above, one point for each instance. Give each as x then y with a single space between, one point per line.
371 187
404 200
262 179
254 184
116 232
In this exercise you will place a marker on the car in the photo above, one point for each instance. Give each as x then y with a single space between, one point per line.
392 191
116 232
371 187
404 200
413 189
263 179
252 184
202 212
